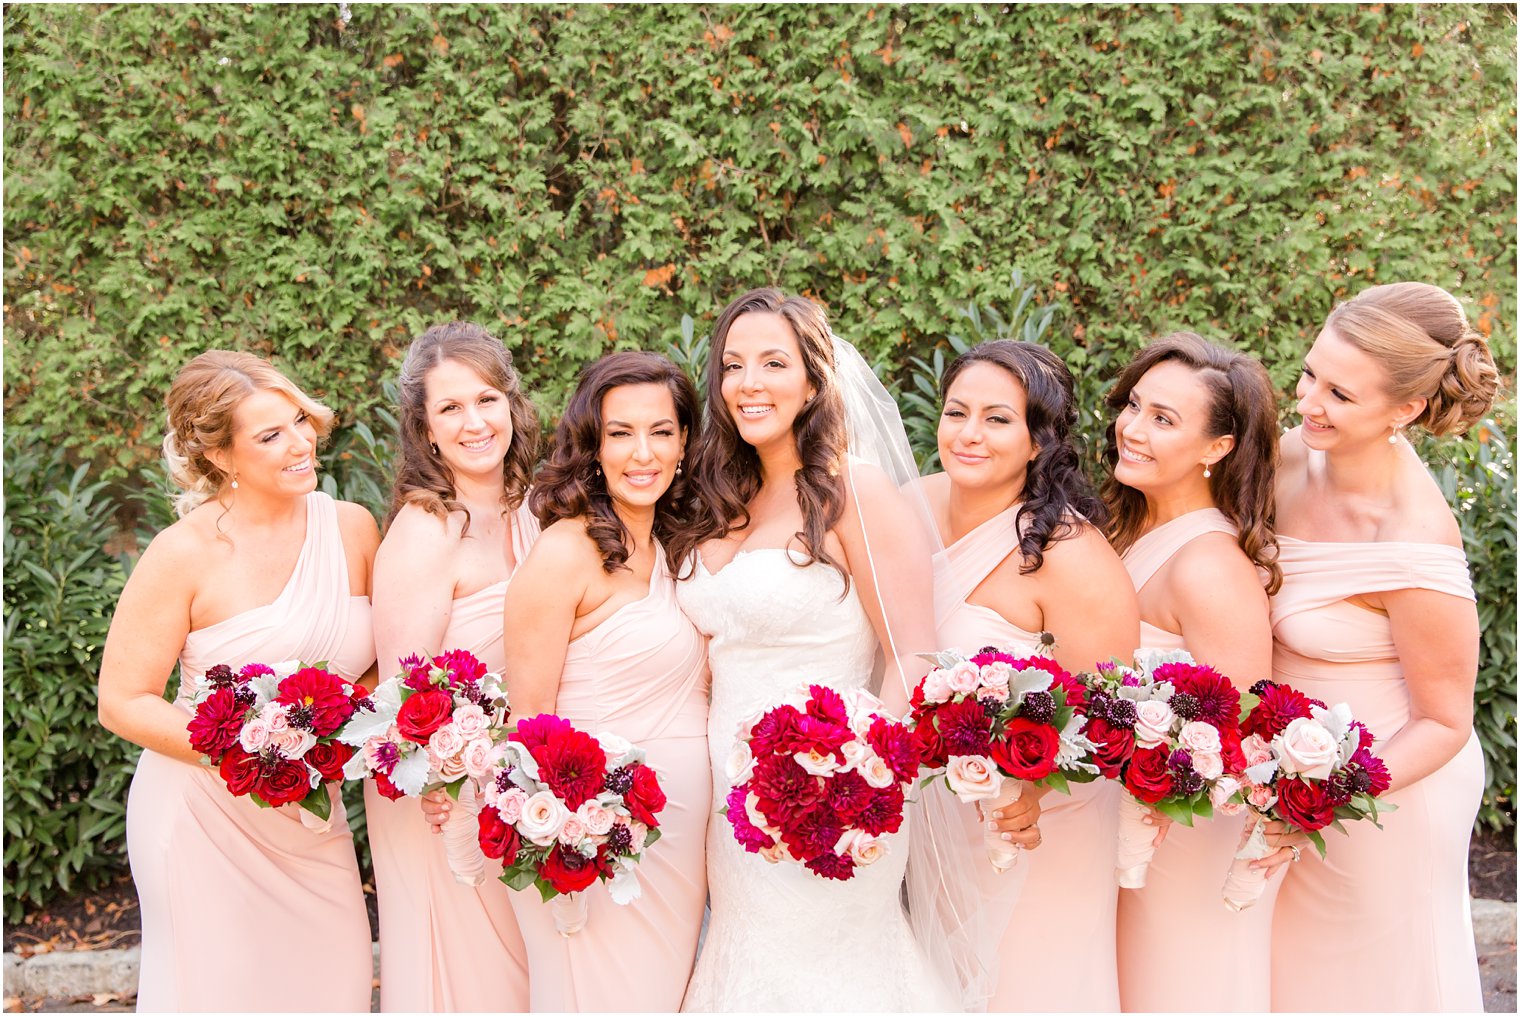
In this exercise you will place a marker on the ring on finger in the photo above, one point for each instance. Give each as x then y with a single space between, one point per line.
1297 853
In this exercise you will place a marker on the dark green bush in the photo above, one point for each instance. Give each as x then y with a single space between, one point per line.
65 776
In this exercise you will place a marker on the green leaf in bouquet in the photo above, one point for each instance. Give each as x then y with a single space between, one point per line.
1203 807
319 803
1177 811
1318 841
547 891
520 876
654 834
1057 781
1247 703
453 789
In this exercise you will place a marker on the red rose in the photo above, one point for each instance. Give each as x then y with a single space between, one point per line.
1148 777
1027 750
930 746
386 787
498 838
646 798
240 771
1115 746
423 713
1304 803
283 781
567 870
216 724
329 758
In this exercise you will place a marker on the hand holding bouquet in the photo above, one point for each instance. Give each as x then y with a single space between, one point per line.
1167 730
997 723
1303 764
270 731
565 809
434 724
819 779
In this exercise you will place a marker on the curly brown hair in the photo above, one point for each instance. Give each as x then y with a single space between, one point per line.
1242 403
569 484
726 469
422 477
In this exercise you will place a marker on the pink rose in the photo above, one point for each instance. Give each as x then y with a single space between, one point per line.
542 816
819 763
973 777
862 847
995 677
471 721
1307 748
1197 736
1153 721
1220 794
254 737
775 853
479 756
1208 764
293 743
640 833
875 771
274 717
741 763
572 832
445 742
597 820
449 769
963 678
1256 750
510 804
936 686
1261 797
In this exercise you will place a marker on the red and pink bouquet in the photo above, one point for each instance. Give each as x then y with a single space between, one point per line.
566 809
1167 730
437 724
996 723
270 731
819 780
1303 764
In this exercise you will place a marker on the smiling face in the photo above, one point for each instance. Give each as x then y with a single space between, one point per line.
642 443
984 439
1162 431
469 420
274 446
1342 396
764 382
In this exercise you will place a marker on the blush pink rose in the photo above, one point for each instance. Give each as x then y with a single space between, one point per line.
293 743
471 721
542 816
1153 721
572 832
1208 764
479 756
254 737
510 804
819 763
995 676
1220 794
1256 750
598 820
973 777
936 686
963 678
1197 736
446 741
1307 748
1261 797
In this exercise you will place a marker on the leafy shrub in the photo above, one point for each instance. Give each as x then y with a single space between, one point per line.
65 777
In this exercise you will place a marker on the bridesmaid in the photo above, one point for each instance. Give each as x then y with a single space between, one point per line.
1191 455
260 567
612 652
1376 610
458 528
1021 556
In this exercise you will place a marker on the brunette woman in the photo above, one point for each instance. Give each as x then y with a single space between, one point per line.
457 532
1190 455
260 568
1376 610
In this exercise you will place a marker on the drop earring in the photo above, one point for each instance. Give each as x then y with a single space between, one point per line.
234 481
1206 472
1394 437
434 447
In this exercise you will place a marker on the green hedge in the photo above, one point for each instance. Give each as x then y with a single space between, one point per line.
276 179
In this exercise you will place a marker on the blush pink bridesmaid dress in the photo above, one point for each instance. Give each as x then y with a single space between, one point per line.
1055 908
444 946
1227 971
641 674
247 908
1384 922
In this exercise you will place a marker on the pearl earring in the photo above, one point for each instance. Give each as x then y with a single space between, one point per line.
234 482
1206 473
678 469
434 447
1394 437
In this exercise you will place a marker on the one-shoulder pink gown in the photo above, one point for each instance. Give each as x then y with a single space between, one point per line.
1055 908
641 674
1384 922
447 947
1182 888
247 908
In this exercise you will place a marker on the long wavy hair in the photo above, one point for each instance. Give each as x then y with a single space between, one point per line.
201 402
1243 404
422 476
1056 495
726 469
570 483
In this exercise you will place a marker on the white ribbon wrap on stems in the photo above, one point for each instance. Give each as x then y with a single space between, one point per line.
569 911
1002 853
1243 884
461 837
1136 846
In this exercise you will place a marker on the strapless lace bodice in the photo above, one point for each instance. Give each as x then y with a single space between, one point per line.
780 937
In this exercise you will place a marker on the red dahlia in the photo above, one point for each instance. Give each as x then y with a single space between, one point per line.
217 721
1279 706
325 694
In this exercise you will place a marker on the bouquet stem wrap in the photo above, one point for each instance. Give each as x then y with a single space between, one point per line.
1000 852
1243 885
461 838
569 913
1135 843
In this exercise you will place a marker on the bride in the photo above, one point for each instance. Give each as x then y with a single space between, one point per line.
782 572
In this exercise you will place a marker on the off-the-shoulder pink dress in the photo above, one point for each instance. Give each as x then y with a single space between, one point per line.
1055 908
248 908
447 947
1183 885
641 674
1384 922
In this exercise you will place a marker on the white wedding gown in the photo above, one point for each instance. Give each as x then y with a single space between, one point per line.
781 938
